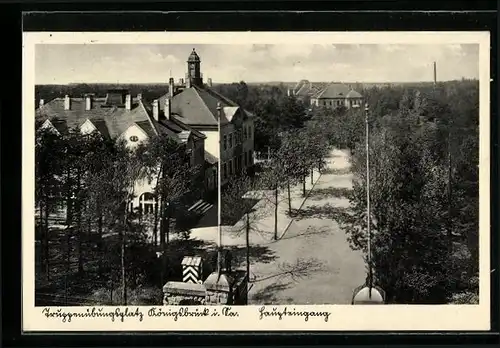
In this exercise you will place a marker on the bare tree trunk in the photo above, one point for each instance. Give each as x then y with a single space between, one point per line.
46 238
304 186
123 231
100 242
155 224
248 245
79 223
450 217
276 213
289 198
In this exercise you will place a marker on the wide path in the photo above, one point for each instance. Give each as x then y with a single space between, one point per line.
312 263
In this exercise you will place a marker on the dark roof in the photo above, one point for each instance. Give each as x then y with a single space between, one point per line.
336 91
115 119
193 57
211 159
196 106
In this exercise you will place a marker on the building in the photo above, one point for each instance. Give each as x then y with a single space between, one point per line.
337 94
195 104
304 90
121 116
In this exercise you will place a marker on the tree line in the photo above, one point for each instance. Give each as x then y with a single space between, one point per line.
424 157
84 185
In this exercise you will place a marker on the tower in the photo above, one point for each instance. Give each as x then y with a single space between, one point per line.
194 74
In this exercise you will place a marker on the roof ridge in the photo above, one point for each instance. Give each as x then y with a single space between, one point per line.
204 104
148 117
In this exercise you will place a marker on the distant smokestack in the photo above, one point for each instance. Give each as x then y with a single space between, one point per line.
128 102
41 103
67 102
88 102
156 110
171 87
435 73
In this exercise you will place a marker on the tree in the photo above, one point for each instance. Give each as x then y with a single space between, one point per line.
237 201
168 163
48 171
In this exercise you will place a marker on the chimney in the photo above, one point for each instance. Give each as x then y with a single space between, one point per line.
88 102
156 110
139 96
171 87
41 103
168 109
181 82
288 92
209 82
67 102
128 102
435 73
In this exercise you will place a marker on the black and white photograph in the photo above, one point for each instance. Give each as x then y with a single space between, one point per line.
273 174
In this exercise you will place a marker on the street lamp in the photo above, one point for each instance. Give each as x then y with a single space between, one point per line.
367 293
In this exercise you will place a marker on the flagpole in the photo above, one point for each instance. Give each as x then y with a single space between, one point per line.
219 192
368 213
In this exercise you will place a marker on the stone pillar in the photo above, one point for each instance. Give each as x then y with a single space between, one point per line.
219 289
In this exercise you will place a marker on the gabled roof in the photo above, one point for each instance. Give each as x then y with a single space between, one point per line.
337 91
210 159
110 121
196 106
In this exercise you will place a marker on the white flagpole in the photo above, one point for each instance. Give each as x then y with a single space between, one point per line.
219 192
368 224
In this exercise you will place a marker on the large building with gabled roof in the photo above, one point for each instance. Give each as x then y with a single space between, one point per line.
118 115
337 94
196 104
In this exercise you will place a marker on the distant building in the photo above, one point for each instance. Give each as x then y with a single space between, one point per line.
196 105
337 94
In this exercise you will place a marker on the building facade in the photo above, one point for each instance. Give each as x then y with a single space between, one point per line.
122 117
336 95
199 106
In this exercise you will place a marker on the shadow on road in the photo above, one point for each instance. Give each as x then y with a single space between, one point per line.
268 295
318 211
258 253
336 171
309 232
329 192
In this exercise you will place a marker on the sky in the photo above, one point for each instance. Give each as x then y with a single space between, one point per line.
225 63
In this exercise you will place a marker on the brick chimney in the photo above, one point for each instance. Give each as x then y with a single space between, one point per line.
168 109
41 103
156 110
128 102
67 102
171 87
209 82
88 102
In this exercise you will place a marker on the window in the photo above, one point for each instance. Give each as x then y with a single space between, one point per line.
230 140
244 133
147 203
134 138
224 171
225 142
250 158
246 159
230 167
241 162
